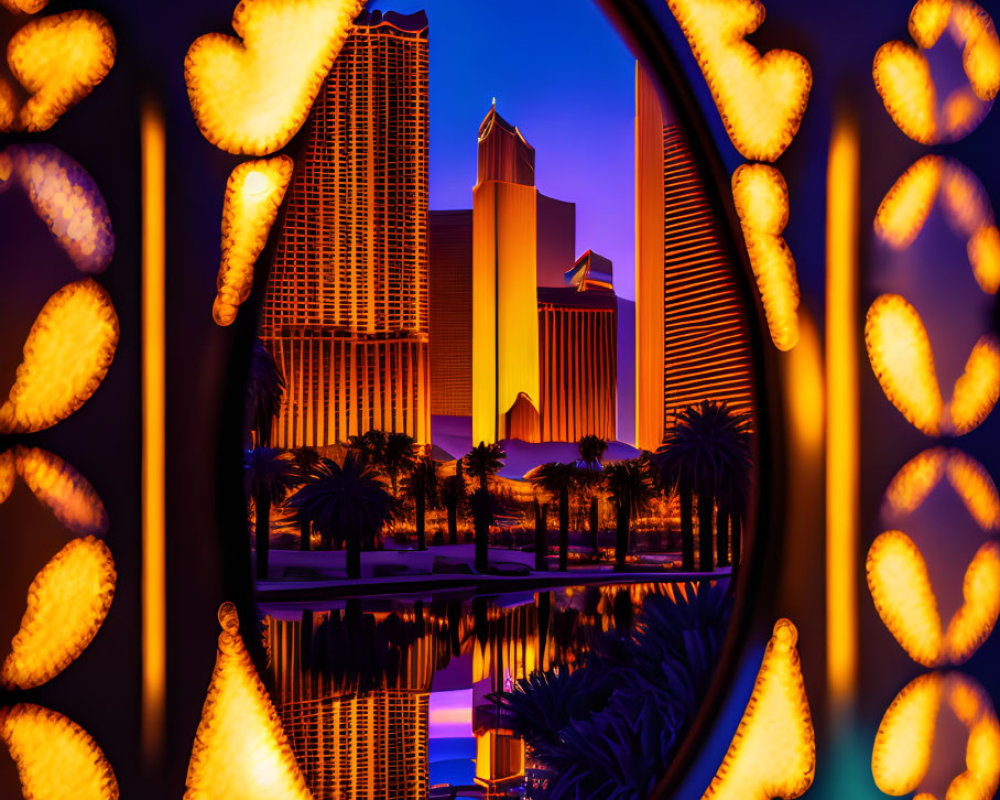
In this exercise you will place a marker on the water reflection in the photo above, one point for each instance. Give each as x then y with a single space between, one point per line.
430 697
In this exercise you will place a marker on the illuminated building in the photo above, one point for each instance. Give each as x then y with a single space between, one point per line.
451 312
556 247
346 311
505 377
578 339
691 343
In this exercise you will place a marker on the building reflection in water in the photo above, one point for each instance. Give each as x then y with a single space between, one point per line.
355 685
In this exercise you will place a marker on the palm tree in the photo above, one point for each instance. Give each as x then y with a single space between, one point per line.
483 461
421 483
591 449
269 474
306 458
556 480
265 391
369 447
671 476
707 453
631 491
453 495
398 457
541 547
345 504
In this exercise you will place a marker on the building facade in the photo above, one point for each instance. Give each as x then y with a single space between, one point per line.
691 330
346 314
505 369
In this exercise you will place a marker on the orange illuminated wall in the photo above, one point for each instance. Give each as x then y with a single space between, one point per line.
578 341
451 312
504 304
690 327
346 313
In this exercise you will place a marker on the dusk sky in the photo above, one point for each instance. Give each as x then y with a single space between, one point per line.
561 74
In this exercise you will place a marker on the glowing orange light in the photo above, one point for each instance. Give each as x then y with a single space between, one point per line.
984 255
24 6
55 757
903 596
54 482
964 199
773 753
975 620
240 750
981 55
253 196
68 201
978 388
7 474
928 19
903 212
977 490
251 96
67 603
8 105
59 59
761 98
900 354
66 356
903 80
904 743
915 480
761 198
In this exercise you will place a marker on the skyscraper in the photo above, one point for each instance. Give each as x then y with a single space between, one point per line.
451 312
346 311
505 369
691 334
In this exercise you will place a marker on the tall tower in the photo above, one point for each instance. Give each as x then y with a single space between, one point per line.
505 375
691 328
346 311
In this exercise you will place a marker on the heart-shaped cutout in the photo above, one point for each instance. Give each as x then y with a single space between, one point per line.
59 60
904 745
900 353
761 98
928 20
251 96
761 198
903 81
64 490
253 196
67 354
67 603
905 600
904 210
55 757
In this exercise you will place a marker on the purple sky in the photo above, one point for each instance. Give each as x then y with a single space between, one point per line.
561 74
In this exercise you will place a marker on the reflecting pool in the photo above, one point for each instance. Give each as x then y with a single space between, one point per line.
533 694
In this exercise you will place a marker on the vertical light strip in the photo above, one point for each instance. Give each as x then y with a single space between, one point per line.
154 632
842 427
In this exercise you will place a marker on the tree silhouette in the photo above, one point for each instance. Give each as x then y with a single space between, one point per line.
265 391
483 462
422 485
453 496
591 449
269 474
345 503
398 457
631 492
557 479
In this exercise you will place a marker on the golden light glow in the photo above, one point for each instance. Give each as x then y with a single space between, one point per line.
842 412
905 738
154 424
67 603
976 488
915 480
68 201
59 59
928 19
240 750
978 388
904 744
773 753
251 96
981 55
253 196
24 6
66 356
761 98
904 598
975 620
901 357
54 482
7 474
984 255
55 757
964 199
903 211
903 81
8 105
761 198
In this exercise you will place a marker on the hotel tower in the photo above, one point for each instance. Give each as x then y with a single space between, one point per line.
346 310
691 335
